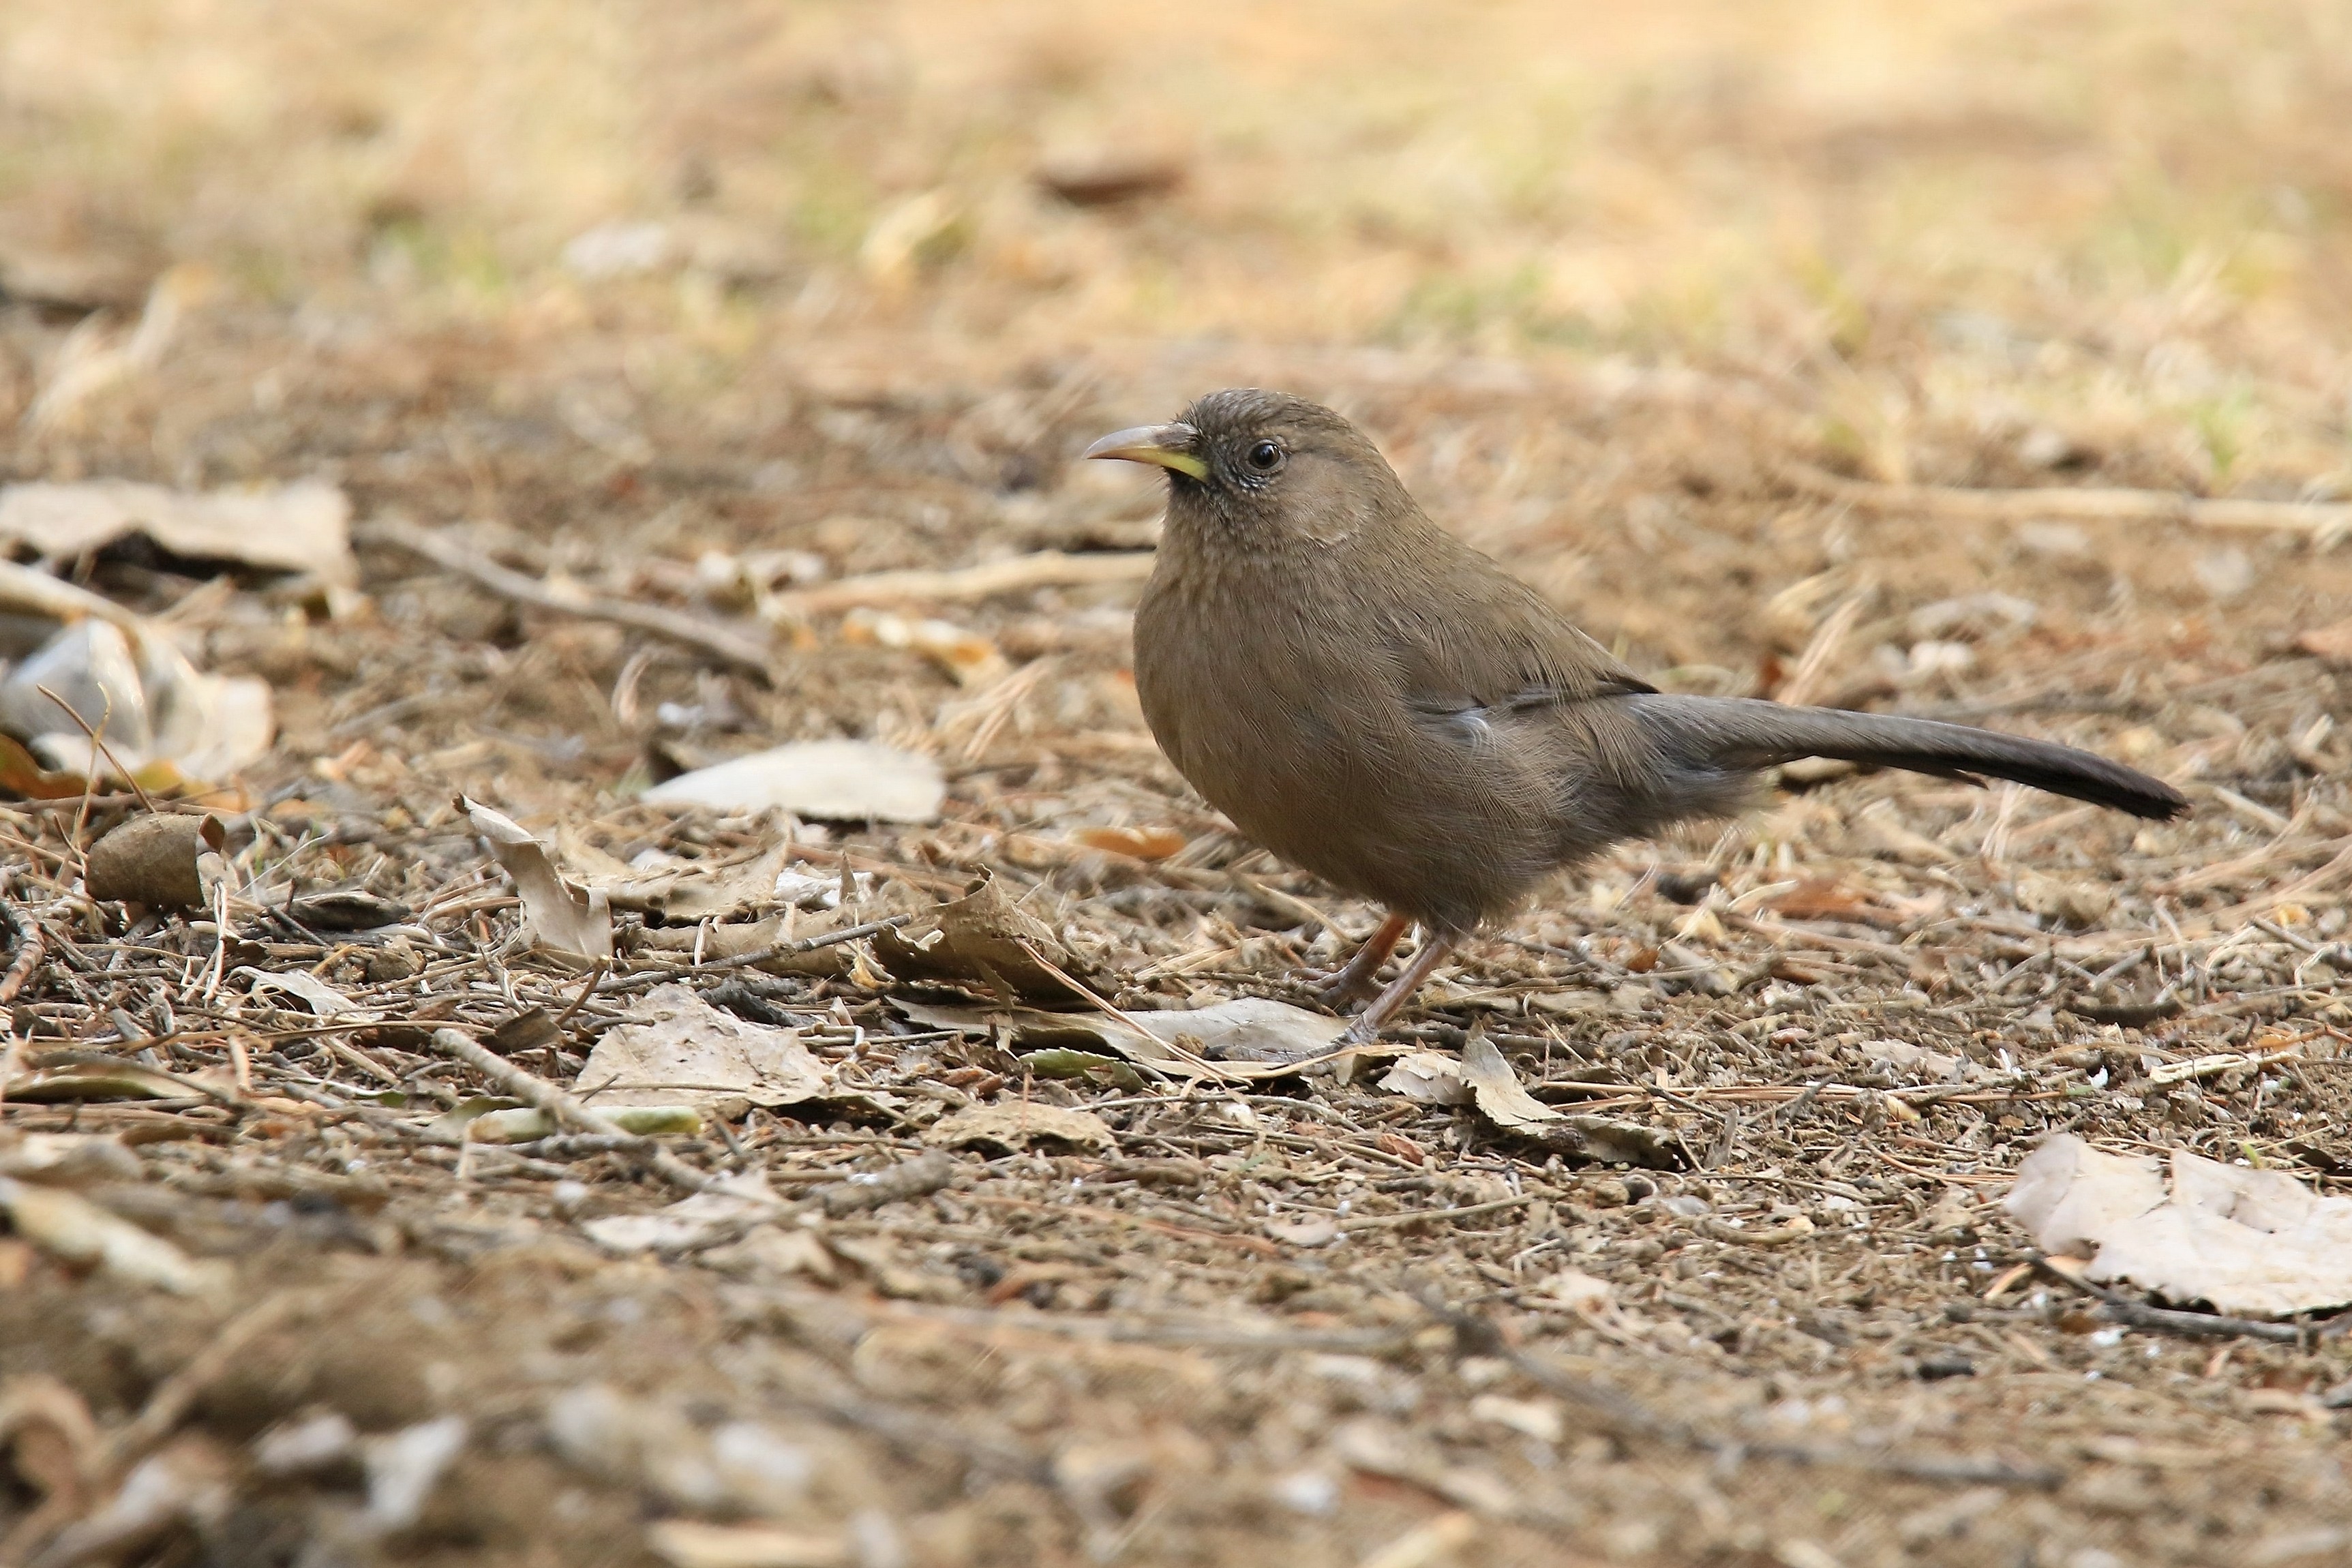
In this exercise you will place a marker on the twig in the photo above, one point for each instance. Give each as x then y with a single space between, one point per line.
730 647
1397 1221
98 743
2320 519
2212 1325
747 959
1046 568
32 946
567 1112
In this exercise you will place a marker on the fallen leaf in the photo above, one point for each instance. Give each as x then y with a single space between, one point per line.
69 1159
685 890
1315 1230
1431 1078
1903 1057
1819 898
982 939
1247 1029
313 993
2247 1241
155 860
404 1467
346 909
966 657
1575 1288
832 781
1227 1038
486 1119
1541 1419
301 526
94 1075
679 1049
1140 843
556 915
1105 178
1504 1100
1012 1127
1882 832
71 1227
690 1222
735 940
187 1480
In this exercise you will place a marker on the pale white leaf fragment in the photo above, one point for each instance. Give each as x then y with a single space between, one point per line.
2248 1242
834 780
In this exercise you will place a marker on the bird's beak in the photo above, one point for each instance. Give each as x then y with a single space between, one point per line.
1170 445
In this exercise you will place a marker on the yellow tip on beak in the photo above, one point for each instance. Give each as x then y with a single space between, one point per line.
1170 445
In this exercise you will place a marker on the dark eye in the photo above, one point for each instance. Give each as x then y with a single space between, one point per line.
1264 458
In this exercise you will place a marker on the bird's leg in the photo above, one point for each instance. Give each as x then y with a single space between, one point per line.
1355 983
1367 1026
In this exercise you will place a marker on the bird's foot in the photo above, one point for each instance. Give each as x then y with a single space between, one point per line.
1346 987
1364 1031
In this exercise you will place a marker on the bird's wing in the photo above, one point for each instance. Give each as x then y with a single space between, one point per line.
1491 646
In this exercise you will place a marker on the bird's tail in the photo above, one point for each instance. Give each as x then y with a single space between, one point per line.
1740 734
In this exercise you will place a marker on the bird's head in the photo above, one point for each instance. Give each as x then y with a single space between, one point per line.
1261 466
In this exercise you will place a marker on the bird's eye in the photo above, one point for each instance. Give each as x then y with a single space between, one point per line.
1264 458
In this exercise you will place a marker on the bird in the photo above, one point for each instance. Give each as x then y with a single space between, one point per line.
1383 705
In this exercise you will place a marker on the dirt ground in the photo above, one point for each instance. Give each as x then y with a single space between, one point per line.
708 308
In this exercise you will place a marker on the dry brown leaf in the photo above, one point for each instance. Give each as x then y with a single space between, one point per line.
684 1051
1015 1127
985 939
688 1544
683 890
556 915
1500 1095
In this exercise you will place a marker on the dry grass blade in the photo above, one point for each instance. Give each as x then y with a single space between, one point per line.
2322 520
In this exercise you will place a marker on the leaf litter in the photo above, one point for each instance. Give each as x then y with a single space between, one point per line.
1058 1235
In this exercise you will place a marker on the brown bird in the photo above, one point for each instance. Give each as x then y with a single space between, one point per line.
1376 701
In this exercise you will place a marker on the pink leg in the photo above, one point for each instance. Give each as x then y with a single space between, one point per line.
1367 1026
1355 983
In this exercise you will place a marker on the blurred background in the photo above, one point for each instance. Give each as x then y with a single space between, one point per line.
724 308
2122 219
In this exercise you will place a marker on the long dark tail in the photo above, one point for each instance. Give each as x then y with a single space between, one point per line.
1740 734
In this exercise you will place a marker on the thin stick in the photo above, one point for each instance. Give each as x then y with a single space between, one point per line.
728 647
2323 520
2140 1315
98 743
1046 568
567 1112
746 960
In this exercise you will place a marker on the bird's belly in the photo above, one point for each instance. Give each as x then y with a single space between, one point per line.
1341 781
